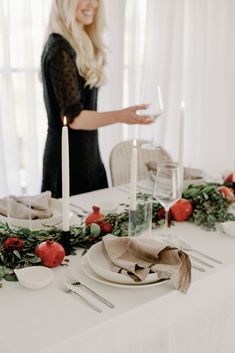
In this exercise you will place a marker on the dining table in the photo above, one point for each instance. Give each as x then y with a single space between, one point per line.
145 319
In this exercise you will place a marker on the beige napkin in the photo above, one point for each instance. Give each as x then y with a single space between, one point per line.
138 258
189 173
21 207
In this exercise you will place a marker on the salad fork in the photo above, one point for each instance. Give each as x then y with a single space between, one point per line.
68 290
74 282
78 207
185 246
197 267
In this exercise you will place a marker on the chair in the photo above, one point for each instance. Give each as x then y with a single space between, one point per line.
120 157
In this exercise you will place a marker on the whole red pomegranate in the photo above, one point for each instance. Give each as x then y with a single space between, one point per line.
181 210
227 193
106 228
229 178
95 216
50 252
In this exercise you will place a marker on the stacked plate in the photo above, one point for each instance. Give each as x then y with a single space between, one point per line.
96 265
55 207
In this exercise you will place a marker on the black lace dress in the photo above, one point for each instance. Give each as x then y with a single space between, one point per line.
65 94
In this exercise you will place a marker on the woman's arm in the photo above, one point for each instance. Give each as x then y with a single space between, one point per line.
91 120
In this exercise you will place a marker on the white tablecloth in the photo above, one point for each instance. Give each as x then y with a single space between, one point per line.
152 320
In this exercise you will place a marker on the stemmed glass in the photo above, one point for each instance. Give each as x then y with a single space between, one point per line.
167 191
151 95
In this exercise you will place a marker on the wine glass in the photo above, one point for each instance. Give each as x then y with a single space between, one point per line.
167 191
151 95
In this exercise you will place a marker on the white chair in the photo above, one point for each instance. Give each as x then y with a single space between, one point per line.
120 157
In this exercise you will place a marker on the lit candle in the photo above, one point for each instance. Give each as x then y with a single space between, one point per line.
181 146
133 177
65 176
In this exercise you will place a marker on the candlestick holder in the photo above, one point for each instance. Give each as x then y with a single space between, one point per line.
140 219
65 241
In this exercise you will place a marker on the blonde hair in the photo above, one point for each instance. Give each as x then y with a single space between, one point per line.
86 42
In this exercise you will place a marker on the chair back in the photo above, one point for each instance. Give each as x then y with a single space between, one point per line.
120 159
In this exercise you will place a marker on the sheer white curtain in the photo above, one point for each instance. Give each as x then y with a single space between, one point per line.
22 116
190 50
111 94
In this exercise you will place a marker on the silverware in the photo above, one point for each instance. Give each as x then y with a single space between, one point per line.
201 261
185 246
78 207
73 281
122 189
146 189
68 290
197 267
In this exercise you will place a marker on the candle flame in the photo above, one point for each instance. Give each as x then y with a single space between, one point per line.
182 105
134 143
65 121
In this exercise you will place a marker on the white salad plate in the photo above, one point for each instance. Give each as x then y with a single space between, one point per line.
229 228
34 277
56 208
99 263
87 270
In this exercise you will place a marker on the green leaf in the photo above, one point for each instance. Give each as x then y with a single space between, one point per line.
35 260
10 277
17 254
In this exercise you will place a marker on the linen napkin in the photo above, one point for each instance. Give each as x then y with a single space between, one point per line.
138 258
189 173
21 207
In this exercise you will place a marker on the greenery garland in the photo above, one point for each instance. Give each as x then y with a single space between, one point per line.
17 245
209 205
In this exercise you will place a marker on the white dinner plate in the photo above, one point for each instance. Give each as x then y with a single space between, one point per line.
99 263
56 208
91 274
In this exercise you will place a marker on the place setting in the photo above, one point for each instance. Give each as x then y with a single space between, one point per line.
34 212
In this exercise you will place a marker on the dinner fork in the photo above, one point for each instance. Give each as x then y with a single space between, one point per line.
74 282
68 290
197 267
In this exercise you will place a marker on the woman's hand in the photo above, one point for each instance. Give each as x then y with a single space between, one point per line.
130 115
90 120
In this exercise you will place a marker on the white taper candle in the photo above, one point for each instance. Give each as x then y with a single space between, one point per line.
133 176
65 177
181 146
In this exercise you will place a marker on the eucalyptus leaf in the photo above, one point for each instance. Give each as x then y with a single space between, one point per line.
11 277
17 254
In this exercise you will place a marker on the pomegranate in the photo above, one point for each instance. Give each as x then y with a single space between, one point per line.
227 193
106 228
50 252
95 216
181 210
229 178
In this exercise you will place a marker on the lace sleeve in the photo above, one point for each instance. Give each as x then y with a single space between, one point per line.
65 84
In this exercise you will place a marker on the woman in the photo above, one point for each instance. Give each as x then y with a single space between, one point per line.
72 67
